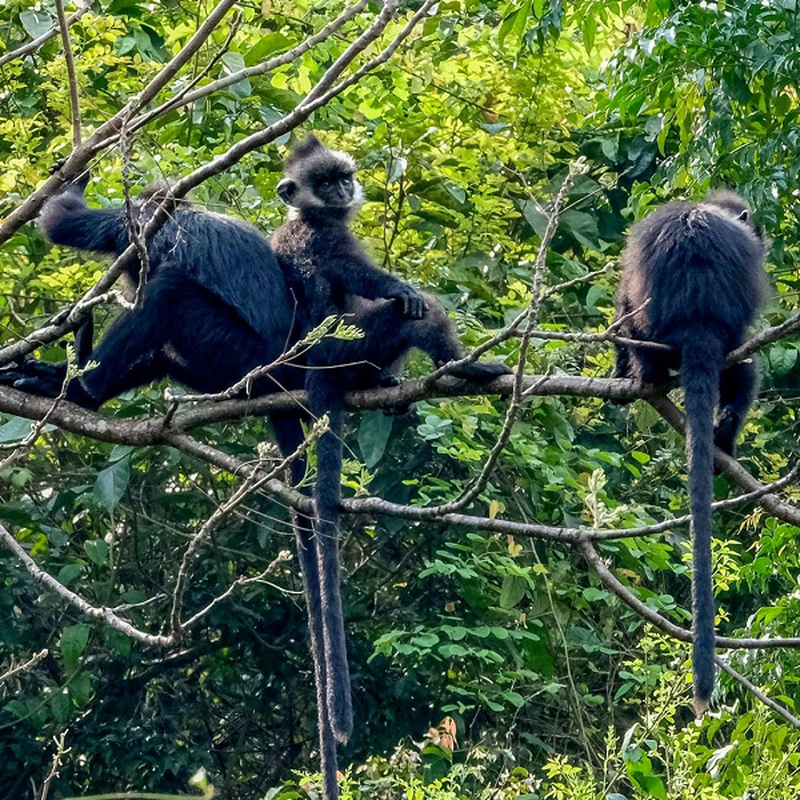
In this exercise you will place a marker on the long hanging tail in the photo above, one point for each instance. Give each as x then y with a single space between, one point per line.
325 397
309 567
701 364
289 434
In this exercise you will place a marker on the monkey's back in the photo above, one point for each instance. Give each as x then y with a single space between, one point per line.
234 261
701 269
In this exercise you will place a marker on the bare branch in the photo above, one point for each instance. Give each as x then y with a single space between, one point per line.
283 556
611 582
255 479
25 667
61 751
751 687
36 43
68 320
763 338
186 97
79 158
102 614
729 465
74 103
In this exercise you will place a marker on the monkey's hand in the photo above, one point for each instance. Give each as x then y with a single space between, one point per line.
414 305
79 184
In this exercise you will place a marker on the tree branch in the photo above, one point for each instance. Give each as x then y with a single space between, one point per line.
68 320
36 43
79 158
98 613
72 78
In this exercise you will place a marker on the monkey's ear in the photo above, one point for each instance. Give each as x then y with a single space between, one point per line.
287 189
744 216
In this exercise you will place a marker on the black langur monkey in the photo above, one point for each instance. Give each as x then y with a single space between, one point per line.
217 303
332 275
700 267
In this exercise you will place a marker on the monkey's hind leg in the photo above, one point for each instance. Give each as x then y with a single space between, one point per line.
737 391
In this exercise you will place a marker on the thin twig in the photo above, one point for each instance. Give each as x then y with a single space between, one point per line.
80 156
36 43
25 667
283 556
74 103
187 97
58 757
66 321
517 395
255 479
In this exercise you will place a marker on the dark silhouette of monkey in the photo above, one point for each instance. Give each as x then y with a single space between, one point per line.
700 267
332 275
217 303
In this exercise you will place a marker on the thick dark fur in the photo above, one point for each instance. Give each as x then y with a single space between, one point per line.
218 303
700 265
332 275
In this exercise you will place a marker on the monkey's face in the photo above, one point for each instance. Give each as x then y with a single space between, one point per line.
321 179
334 187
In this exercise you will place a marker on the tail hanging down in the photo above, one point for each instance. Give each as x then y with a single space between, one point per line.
701 363
325 397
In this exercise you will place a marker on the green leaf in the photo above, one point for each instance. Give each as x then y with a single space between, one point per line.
97 550
36 23
72 643
373 434
512 591
583 227
782 359
18 428
534 215
111 483
60 705
265 46
514 698
69 573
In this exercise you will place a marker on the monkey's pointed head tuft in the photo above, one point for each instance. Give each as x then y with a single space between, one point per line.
306 148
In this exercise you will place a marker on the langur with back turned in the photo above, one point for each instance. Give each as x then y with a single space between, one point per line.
695 273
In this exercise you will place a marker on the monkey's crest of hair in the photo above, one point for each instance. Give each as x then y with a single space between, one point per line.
315 156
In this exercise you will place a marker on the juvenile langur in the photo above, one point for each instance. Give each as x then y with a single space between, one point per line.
700 267
331 274
217 304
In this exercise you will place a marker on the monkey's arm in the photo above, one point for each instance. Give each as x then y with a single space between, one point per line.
67 220
361 277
